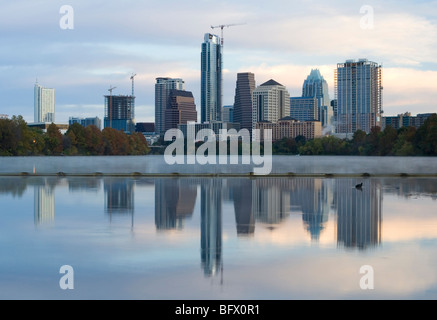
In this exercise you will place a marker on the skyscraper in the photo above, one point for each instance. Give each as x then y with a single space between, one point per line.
181 109
120 113
270 102
243 100
316 86
358 88
162 92
44 101
211 79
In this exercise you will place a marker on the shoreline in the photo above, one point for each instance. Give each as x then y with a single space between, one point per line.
155 166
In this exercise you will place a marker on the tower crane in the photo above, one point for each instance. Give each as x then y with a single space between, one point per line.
132 78
225 26
110 105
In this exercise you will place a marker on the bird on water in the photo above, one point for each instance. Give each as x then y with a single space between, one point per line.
359 186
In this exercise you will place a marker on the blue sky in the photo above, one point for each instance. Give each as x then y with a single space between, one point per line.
278 39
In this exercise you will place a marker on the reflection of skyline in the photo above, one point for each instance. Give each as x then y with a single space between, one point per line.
119 196
174 201
264 200
359 213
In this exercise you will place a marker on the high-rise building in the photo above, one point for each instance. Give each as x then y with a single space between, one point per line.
44 101
270 102
243 100
211 79
290 128
181 109
358 88
163 86
120 113
304 108
316 86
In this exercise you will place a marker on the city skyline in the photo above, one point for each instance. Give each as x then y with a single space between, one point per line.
82 63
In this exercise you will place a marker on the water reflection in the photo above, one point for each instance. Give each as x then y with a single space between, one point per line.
260 202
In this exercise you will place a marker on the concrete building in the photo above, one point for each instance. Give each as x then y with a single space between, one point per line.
163 86
44 104
270 102
358 88
290 128
243 99
181 109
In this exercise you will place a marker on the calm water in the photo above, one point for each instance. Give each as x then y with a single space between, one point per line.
218 238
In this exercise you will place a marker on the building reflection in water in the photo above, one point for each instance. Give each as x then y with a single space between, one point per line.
119 196
242 192
312 197
174 202
359 213
211 225
44 203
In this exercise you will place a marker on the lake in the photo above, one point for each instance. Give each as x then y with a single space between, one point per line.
251 238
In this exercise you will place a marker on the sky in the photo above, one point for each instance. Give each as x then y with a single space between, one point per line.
81 48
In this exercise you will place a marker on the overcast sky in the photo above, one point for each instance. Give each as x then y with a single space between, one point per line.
277 39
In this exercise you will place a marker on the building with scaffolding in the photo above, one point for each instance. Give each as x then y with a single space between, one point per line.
358 91
120 113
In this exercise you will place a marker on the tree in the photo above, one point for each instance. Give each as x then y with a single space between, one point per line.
94 140
426 137
53 138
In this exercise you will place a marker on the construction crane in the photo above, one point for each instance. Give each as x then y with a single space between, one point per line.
132 78
110 105
225 26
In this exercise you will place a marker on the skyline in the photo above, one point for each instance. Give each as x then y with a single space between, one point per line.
111 40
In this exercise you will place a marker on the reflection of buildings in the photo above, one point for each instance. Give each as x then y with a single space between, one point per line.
313 197
242 195
174 200
271 200
119 195
211 225
44 204
359 213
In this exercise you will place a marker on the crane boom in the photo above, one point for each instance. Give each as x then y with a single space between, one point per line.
221 26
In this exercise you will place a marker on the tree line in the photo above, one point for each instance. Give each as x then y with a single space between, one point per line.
18 139
406 141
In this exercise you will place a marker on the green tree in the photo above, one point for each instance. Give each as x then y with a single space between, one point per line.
53 138
426 137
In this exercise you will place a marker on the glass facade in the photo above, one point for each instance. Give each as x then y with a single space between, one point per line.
211 79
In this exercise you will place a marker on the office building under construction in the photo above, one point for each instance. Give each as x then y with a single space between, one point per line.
120 113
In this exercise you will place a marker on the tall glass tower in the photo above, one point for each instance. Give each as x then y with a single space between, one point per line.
316 86
211 79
